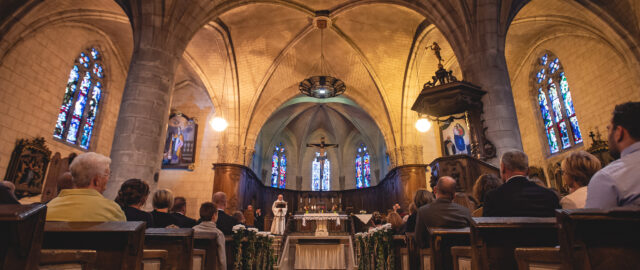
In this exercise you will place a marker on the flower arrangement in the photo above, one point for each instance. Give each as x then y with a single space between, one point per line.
376 244
252 248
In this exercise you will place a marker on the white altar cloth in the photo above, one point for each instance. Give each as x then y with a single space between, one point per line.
320 257
364 217
320 216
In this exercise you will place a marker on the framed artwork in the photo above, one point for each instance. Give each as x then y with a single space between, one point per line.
28 166
180 144
454 132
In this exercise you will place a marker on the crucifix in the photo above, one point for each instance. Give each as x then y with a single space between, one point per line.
322 157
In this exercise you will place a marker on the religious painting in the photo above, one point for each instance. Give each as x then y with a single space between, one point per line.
180 143
455 136
28 166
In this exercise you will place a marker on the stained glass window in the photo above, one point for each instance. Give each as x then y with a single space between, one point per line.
363 167
76 120
556 108
315 173
279 167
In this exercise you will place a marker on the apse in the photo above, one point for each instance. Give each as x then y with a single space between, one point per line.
355 148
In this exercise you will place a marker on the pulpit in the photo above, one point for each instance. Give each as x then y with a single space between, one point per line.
464 168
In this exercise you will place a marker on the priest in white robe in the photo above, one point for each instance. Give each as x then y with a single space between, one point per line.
279 214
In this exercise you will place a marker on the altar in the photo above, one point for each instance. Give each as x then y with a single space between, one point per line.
321 224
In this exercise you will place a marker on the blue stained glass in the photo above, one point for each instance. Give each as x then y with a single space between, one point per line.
367 169
551 139
84 60
540 75
326 176
564 134
554 65
575 128
95 54
97 70
283 170
274 168
67 101
96 94
543 59
359 183
544 108
555 103
315 173
73 130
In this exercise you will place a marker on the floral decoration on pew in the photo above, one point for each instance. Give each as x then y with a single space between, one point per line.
252 248
375 248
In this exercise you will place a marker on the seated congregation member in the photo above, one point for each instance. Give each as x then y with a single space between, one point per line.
395 220
421 198
239 217
577 170
7 195
208 218
249 216
131 197
225 222
519 197
162 200
618 184
465 200
482 186
412 211
376 218
442 212
90 173
179 211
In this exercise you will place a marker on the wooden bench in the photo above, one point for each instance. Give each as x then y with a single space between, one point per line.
538 258
154 259
494 239
51 259
208 242
177 242
198 259
597 239
21 231
118 245
441 240
461 257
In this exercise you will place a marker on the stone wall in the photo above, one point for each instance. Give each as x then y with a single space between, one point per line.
33 76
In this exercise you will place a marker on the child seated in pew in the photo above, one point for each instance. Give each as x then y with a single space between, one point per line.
208 218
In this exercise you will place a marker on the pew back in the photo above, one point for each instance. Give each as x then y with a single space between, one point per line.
119 245
178 242
207 241
441 241
21 229
494 239
597 239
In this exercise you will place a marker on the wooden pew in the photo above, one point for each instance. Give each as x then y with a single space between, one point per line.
596 239
119 245
154 259
440 242
21 230
208 242
461 256
198 259
538 258
494 239
53 259
177 242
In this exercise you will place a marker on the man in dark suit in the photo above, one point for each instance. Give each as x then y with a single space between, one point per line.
259 219
225 222
519 197
442 212
179 211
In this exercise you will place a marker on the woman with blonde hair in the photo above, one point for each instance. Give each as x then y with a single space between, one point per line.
577 170
482 186
162 202
395 220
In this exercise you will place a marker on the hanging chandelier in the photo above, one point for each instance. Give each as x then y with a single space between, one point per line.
324 85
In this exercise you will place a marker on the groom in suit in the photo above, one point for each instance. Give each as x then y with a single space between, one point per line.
519 197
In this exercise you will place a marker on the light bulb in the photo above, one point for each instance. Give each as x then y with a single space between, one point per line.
423 125
219 124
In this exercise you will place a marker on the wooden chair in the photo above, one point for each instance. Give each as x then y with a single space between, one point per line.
51 259
118 245
21 230
494 239
177 242
538 258
209 243
461 257
441 240
596 239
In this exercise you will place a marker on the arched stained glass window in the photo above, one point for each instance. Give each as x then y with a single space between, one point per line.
363 167
316 167
279 167
77 114
556 107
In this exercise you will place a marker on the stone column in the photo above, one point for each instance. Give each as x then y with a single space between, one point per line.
142 121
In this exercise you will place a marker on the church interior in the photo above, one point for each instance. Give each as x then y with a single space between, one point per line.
345 109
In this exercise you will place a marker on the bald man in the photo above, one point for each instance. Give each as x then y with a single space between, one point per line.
442 212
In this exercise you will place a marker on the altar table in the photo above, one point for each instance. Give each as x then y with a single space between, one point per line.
321 221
